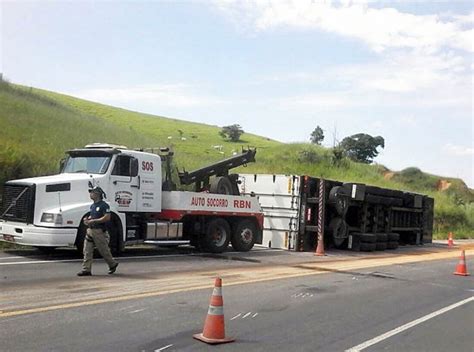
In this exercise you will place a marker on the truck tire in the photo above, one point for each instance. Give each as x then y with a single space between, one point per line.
116 235
221 185
339 231
368 238
338 200
367 247
244 235
381 237
217 236
80 237
392 245
393 237
381 246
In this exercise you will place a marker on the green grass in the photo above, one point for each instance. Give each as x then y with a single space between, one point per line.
38 126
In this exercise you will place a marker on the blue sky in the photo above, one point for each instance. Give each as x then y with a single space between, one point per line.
399 69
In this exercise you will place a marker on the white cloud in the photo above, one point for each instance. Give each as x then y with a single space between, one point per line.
380 28
422 61
458 150
168 95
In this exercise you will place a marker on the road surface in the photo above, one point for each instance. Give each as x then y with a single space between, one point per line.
404 300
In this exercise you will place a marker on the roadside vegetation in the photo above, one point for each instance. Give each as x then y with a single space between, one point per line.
38 126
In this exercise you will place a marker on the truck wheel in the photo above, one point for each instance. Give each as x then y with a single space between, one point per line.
221 185
339 200
115 233
243 236
381 246
217 236
381 237
81 236
339 232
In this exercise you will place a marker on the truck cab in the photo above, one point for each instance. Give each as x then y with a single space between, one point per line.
48 211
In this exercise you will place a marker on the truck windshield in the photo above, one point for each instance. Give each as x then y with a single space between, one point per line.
86 164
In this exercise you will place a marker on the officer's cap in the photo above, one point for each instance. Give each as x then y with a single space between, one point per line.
97 190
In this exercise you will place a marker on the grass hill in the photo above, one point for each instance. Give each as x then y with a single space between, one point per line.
38 126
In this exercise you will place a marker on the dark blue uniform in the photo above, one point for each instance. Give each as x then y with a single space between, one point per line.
98 210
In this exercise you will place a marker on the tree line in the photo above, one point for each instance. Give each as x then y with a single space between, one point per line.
360 147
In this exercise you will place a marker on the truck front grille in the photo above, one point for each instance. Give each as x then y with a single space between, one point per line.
18 202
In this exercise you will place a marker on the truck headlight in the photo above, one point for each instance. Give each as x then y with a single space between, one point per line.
56 219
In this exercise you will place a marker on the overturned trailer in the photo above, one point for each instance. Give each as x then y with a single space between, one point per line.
355 216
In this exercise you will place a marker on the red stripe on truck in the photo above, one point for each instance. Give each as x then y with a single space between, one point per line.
173 214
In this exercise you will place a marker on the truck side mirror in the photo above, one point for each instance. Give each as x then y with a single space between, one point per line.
62 162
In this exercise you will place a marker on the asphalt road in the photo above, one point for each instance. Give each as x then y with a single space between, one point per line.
273 300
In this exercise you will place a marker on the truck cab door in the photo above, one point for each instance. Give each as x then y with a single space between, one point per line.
125 183
149 193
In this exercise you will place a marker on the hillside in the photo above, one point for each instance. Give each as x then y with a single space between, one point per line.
38 126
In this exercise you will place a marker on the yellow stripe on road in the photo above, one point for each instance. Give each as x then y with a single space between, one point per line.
241 276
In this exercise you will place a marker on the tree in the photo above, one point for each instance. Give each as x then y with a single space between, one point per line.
232 132
362 147
317 136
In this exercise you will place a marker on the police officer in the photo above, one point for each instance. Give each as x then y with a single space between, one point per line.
97 233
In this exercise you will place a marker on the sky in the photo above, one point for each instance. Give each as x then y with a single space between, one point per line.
401 69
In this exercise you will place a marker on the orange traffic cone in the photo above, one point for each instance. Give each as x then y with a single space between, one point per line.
214 328
450 240
461 267
320 247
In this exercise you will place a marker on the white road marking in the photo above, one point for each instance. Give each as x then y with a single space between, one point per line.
407 326
246 315
8 258
119 258
43 262
137 311
163 348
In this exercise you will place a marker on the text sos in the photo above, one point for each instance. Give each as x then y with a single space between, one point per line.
147 166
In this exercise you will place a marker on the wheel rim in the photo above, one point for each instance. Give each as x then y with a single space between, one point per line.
219 236
246 235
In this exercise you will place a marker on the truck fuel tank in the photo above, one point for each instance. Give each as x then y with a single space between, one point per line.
164 230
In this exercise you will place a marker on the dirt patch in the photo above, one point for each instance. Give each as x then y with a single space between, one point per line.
388 175
443 185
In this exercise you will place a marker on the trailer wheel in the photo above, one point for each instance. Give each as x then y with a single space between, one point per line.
339 232
367 247
392 245
368 238
221 185
393 237
217 236
339 200
243 236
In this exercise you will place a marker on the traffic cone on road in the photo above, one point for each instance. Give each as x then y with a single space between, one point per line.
461 268
214 328
450 240
320 248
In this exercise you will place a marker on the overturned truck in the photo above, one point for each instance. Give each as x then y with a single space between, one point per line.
353 216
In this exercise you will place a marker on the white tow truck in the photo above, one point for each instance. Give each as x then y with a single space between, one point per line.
47 212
